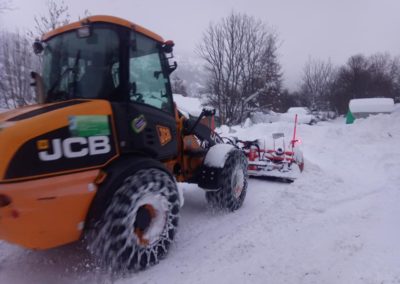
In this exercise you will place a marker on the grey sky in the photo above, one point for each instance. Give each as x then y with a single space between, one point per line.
321 29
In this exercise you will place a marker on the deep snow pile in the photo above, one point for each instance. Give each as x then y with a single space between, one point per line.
338 223
188 105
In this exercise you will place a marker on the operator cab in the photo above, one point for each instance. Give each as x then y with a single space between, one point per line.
111 59
104 60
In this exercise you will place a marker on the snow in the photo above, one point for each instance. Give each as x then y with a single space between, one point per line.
181 196
371 105
303 115
298 110
337 223
247 123
188 105
217 155
260 117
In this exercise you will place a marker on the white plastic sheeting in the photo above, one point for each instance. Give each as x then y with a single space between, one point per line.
371 105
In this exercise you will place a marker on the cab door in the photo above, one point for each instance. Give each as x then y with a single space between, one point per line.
151 119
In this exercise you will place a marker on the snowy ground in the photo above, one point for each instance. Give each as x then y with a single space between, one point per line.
338 223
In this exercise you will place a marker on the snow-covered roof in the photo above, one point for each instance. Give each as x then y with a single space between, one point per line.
371 105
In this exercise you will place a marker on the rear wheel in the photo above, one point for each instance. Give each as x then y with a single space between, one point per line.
232 183
139 224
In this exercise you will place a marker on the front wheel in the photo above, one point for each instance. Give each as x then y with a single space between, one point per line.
139 224
232 183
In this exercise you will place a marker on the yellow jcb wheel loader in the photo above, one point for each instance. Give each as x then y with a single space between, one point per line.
100 154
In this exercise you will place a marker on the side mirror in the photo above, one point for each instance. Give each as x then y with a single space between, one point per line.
39 87
37 47
168 46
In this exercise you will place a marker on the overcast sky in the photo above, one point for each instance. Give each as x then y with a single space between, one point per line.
320 29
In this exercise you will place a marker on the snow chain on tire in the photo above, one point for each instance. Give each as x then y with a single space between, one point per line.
233 178
118 241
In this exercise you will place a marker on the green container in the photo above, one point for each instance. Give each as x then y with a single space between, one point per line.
350 118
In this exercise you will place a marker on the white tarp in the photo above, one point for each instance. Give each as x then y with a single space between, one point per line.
371 105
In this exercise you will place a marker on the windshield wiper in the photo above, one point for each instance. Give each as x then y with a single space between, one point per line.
73 69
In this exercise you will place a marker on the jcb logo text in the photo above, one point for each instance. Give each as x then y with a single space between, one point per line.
74 147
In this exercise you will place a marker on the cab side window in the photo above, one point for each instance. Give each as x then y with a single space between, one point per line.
148 82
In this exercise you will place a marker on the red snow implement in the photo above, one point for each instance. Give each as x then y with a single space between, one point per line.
282 162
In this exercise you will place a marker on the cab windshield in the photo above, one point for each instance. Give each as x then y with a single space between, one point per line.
110 63
75 67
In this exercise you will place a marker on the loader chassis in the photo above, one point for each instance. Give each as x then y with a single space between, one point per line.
74 133
105 119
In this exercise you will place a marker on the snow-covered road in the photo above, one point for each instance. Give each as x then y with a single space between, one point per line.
338 223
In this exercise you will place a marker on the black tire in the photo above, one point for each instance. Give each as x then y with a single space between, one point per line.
140 222
232 183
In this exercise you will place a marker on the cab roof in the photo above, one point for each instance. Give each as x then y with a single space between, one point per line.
103 19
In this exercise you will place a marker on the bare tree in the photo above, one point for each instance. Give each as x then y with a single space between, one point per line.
178 86
241 61
57 14
17 60
395 71
365 77
385 72
86 14
316 85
